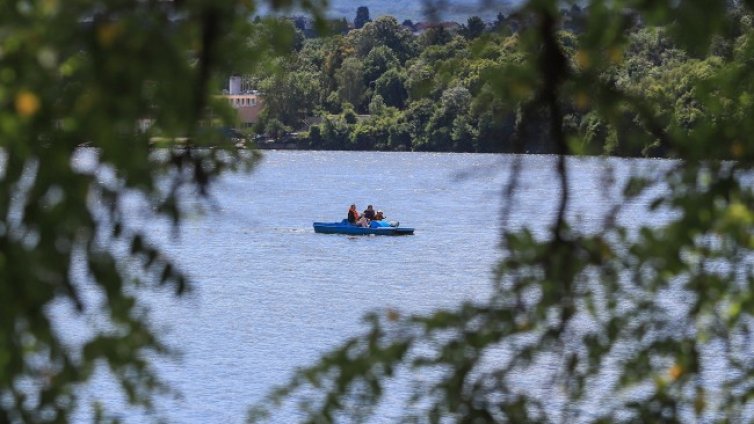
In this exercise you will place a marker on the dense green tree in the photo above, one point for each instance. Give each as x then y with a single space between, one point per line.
313 54
455 101
392 88
449 123
349 115
381 130
333 103
276 129
440 55
315 136
379 60
473 28
377 105
649 49
362 17
417 116
335 133
291 96
385 31
464 134
435 35
371 134
399 134
596 135
298 40
350 79
335 50
495 128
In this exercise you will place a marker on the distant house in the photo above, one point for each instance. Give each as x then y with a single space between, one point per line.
248 103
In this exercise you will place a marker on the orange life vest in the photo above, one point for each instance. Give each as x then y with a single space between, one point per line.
355 214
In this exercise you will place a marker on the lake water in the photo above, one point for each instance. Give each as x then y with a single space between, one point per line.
271 295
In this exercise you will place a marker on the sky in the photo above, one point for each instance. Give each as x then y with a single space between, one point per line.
416 10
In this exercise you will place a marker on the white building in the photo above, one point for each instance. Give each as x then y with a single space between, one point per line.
248 103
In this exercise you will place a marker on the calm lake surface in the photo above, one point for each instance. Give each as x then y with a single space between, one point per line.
271 295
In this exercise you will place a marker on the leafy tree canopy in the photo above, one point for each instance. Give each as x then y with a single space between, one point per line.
474 27
362 17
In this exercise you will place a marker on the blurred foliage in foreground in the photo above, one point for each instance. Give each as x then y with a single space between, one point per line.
629 323
81 72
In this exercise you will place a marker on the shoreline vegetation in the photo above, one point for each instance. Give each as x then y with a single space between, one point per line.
390 86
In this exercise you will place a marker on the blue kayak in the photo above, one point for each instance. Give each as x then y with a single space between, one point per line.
344 227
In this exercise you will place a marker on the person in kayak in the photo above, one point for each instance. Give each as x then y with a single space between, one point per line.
353 215
355 219
369 213
380 221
